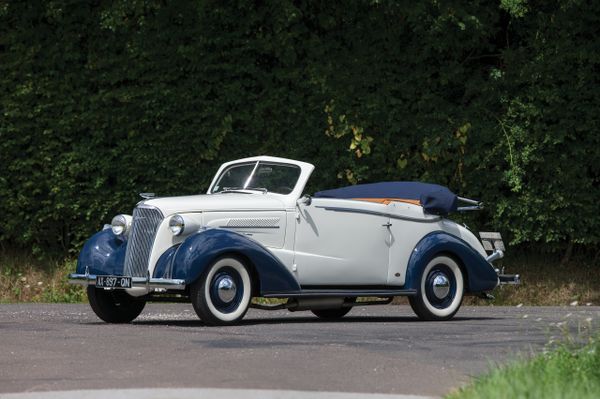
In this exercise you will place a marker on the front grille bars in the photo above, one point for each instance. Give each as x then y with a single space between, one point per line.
146 220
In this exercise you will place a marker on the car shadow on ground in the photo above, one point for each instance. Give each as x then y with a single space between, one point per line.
306 320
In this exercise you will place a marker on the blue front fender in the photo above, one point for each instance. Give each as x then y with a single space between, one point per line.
103 253
481 276
199 250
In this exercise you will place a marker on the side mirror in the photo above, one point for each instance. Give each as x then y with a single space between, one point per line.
305 200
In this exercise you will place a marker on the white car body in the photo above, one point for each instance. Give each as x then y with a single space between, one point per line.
319 245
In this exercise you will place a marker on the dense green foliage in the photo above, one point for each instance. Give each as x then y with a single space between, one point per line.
565 372
102 100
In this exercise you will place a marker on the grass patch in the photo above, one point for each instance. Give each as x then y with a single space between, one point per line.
24 279
564 372
546 282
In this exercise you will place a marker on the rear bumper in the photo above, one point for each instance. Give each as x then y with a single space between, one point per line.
136 282
497 254
509 279
503 278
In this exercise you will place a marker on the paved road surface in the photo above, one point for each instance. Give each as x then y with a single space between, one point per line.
378 349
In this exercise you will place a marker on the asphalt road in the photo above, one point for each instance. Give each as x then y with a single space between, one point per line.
378 349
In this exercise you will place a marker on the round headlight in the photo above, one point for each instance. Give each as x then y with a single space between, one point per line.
176 225
119 225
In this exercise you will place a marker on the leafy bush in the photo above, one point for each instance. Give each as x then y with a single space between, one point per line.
102 100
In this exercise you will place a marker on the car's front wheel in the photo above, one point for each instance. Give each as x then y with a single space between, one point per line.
221 296
114 306
440 291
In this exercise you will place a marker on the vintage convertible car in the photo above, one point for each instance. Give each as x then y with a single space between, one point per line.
254 234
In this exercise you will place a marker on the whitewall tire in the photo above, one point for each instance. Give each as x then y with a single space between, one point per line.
222 295
440 291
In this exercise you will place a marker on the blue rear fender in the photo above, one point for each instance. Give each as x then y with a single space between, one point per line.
200 250
103 253
480 275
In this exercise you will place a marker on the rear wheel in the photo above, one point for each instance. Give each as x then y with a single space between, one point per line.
440 291
114 306
221 296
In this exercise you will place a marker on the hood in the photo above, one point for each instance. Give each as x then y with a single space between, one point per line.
217 202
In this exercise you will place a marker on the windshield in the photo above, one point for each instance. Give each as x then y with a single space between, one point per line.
258 176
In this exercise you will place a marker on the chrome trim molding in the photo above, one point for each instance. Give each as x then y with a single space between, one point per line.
142 282
391 216
266 222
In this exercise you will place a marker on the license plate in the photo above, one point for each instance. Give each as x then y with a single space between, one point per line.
113 281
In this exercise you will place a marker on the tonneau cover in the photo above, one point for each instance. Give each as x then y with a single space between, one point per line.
434 199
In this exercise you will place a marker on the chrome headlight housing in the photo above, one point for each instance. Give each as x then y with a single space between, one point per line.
121 224
184 224
177 225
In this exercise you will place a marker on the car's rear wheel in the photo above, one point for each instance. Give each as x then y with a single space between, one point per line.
114 306
440 291
221 296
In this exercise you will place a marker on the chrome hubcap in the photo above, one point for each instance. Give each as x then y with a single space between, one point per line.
226 289
441 286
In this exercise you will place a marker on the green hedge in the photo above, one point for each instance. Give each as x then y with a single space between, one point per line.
102 100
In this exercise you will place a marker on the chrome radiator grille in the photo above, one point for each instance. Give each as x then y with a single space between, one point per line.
143 230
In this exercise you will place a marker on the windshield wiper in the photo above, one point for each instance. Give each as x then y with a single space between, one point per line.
241 189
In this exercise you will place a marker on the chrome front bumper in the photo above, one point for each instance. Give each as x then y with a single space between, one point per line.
136 282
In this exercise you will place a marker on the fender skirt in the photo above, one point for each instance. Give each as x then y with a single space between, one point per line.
481 276
103 253
198 251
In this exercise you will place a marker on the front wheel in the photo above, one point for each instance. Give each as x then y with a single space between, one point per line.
440 291
114 306
221 296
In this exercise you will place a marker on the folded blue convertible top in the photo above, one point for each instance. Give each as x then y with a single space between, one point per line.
434 199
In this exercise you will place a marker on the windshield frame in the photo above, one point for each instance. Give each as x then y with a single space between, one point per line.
254 190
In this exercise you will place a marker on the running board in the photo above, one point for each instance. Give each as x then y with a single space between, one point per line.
294 305
314 293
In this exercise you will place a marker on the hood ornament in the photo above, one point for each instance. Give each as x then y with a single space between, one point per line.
147 195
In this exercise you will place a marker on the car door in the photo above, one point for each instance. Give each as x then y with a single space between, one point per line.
408 225
341 242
